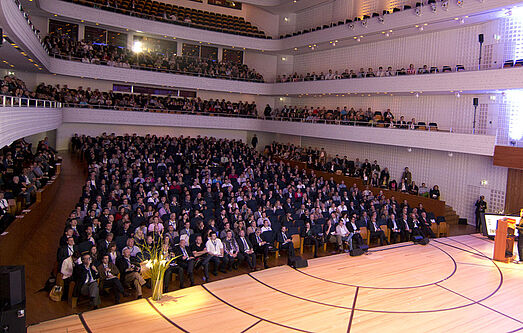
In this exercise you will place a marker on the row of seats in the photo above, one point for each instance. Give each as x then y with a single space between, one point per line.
179 15
356 19
513 63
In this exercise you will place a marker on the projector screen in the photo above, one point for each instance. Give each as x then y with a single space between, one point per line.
491 221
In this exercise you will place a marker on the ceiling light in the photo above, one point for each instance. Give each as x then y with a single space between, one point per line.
137 47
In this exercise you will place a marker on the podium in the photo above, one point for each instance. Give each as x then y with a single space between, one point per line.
504 241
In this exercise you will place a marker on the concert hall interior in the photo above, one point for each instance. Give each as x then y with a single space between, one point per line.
261 165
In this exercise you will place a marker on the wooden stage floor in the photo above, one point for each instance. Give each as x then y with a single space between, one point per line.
449 285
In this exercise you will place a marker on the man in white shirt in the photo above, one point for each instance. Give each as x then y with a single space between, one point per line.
67 272
215 250
343 236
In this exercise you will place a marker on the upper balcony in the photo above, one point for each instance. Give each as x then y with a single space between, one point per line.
403 23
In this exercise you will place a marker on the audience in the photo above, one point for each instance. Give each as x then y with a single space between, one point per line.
100 54
351 74
22 173
208 199
371 174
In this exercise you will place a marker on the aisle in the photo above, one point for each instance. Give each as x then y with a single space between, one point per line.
34 243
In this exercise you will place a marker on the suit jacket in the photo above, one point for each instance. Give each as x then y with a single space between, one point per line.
178 252
308 233
112 267
63 253
403 226
371 228
253 240
279 237
391 225
123 265
242 246
80 275
351 228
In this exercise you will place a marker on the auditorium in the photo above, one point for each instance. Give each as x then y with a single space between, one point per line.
261 166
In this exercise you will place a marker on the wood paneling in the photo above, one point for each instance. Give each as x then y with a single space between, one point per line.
514 196
435 206
510 157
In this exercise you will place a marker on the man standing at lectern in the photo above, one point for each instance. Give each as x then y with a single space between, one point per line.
481 207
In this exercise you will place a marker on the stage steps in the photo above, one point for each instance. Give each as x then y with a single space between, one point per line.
450 215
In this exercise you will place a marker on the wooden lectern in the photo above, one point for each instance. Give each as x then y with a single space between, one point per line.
504 241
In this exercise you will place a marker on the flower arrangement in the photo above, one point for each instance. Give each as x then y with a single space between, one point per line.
157 260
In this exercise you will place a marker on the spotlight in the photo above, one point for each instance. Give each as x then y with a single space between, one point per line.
421 28
462 21
417 95
351 26
459 3
418 11
409 150
450 154
358 39
387 34
458 95
445 4
381 20
433 7
364 23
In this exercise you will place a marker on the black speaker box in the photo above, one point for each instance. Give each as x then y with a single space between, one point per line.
475 101
481 38
424 241
299 262
12 286
13 321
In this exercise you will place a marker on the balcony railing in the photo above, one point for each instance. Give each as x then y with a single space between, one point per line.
15 101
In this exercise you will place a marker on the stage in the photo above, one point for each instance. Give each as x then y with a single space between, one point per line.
449 285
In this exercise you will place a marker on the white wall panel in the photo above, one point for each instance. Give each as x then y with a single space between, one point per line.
449 47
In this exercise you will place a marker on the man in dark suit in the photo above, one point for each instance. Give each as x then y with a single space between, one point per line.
67 250
103 243
309 237
406 227
425 226
353 228
109 277
396 233
376 232
247 250
260 246
85 276
416 226
185 260
285 243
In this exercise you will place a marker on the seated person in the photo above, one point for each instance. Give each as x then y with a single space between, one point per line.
285 243
130 272
85 276
109 277
376 232
310 238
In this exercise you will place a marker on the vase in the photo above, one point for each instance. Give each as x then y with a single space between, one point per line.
157 285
